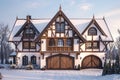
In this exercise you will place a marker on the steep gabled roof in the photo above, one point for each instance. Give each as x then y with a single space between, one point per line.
81 24
19 24
21 29
93 21
60 13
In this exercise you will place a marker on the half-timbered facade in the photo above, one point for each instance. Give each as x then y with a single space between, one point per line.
60 42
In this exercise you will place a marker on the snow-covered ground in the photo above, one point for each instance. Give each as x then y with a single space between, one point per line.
85 74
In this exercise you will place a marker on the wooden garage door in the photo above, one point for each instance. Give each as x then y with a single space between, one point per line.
91 62
60 62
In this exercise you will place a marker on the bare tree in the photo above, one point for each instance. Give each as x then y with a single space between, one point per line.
4 45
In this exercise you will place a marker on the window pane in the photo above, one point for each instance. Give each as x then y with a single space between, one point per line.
95 45
58 28
60 42
69 42
26 45
29 31
33 59
89 45
25 60
62 27
52 42
92 31
32 45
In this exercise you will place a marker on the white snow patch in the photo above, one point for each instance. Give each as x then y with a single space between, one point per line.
85 74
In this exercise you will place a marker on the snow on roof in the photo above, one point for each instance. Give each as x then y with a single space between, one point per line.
16 27
105 28
40 24
79 23
13 54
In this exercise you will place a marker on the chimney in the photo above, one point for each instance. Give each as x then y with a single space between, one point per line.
28 17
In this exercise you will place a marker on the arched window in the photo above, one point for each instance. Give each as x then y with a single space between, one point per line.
60 25
25 60
60 42
33 59
92 31
68 42
51 42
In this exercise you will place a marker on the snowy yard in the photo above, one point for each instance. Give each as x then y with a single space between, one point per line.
85 74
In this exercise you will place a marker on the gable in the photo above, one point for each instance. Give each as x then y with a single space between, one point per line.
25 26
37 24
60 16
93 23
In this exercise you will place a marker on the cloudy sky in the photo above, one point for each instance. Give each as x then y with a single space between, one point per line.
110 9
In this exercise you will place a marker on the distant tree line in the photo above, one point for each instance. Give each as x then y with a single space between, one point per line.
112 58
5 48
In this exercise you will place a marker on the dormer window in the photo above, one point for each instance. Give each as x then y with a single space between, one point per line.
29 34
92 31
29 31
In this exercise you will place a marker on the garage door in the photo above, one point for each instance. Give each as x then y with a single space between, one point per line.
60 62
91 62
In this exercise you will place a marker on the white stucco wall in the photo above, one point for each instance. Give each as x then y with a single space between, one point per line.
29 54
76 45
43 45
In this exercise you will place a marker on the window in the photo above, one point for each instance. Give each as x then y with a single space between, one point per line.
60 42
26 45
94 45
51 42
69 42
29 33
25 60
88 45
33 59
32 45
29 45
60 27
92 31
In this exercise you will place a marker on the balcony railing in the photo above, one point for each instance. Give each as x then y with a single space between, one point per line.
54 49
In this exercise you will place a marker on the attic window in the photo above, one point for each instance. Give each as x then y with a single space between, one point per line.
92 31
60 27
29 33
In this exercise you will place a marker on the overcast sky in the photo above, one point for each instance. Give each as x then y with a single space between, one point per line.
110 9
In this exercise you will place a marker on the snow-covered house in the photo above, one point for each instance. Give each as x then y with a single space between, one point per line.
61 42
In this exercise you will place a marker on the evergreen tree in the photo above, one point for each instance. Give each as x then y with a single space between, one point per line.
109 71
113 68
104 68
117 69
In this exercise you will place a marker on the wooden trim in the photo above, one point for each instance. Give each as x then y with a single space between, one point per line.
93 21
60 13
28 51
